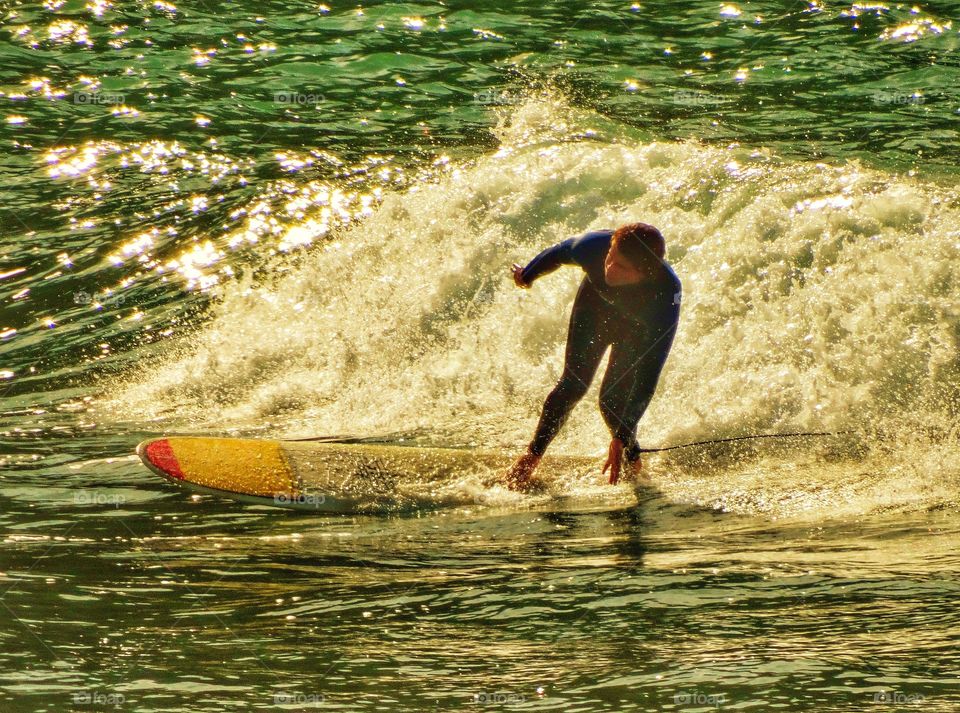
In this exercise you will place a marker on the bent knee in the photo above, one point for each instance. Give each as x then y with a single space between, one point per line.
570 388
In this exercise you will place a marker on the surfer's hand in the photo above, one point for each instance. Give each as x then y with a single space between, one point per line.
517 271
614 457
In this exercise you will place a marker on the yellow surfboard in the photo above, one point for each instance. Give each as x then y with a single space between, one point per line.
331 477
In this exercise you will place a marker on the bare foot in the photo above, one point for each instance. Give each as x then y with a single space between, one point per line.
520 476
635 472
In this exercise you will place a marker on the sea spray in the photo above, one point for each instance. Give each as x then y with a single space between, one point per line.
816 296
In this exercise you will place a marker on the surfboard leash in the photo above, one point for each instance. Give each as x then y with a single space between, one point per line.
745 438
806 434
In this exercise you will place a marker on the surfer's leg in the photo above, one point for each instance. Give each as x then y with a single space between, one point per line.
629 384
586 344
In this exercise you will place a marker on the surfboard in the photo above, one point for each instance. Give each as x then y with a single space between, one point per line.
331 477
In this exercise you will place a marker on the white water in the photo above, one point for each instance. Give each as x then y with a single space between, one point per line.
816 297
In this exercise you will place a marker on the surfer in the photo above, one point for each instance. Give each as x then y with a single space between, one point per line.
628 300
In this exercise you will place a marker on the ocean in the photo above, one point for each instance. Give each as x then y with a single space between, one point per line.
295 220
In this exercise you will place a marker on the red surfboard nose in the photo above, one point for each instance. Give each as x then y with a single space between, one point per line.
160 454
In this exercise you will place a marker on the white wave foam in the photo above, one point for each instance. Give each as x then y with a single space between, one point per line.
816 297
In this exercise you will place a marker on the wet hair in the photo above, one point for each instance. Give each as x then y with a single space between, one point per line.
638 241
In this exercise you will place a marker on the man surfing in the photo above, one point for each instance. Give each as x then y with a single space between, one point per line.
629 300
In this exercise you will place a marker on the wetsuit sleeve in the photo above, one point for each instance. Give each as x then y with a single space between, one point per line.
549 260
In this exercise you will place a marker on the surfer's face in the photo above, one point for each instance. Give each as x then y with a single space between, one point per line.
617 271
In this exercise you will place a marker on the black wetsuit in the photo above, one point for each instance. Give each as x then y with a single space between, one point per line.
638 321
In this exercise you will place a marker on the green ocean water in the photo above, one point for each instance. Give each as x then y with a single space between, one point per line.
296 219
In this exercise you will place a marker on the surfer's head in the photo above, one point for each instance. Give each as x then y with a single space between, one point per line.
636 250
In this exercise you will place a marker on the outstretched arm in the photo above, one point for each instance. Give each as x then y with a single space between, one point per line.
547 261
